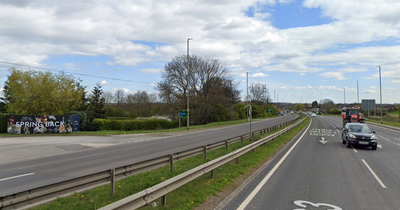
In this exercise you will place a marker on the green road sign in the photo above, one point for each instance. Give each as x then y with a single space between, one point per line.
183 114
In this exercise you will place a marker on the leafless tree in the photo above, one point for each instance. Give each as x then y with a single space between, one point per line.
119 96
108 97
207 80
259 94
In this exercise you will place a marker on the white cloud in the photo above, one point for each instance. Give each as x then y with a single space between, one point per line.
255 75
152 70
106 83
335 75
369 91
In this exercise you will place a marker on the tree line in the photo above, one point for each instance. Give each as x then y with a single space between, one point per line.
208 82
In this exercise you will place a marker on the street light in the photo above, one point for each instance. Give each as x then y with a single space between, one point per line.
380 88
188 76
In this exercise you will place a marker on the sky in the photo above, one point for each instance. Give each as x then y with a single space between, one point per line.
303 51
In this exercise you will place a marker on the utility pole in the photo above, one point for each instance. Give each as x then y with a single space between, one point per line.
188 79
380 87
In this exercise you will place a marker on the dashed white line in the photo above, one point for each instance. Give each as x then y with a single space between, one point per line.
355 150
13 177
373 173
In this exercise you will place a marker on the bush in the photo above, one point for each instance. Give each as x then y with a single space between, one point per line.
335 111
129 125
3 123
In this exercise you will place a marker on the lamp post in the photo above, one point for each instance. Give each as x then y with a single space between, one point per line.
380 88
188 77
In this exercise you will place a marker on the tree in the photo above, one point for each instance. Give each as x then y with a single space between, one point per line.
259 94
299 107
207 80
39 93
108 97
119 96
314 104
97 103
327 104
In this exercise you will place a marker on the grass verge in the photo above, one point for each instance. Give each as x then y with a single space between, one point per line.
188 196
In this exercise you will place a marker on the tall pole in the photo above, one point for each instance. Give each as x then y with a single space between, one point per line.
188 78
344 97
358 96
247 87
380 87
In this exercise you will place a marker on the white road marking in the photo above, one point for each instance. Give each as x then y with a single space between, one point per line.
258 188
13 177
301 203
380 146
355 150
373 173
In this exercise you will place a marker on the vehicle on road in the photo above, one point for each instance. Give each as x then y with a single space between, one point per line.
352 115
313 115
359 134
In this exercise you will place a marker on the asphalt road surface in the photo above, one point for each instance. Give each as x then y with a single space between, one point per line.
317 171
29 162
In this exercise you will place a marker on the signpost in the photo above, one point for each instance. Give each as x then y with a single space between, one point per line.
182 114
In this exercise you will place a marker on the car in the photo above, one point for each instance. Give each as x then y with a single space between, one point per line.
313 115
359 134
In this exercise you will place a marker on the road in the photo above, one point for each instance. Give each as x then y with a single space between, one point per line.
38 161
317 171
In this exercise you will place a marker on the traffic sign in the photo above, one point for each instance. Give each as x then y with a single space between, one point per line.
183 114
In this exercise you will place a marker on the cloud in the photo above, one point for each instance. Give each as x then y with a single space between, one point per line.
106 83
335 75
152 70
369 91
255 75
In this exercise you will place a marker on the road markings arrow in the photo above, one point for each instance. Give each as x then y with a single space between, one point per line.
323 140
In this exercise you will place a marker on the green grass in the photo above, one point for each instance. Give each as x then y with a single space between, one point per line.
188 196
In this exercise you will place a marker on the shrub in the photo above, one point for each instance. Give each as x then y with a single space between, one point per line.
129 125
335 111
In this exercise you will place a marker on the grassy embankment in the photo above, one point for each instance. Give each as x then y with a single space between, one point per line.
391 119
190 195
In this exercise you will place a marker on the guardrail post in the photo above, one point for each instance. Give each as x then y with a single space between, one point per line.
164 200
112 175
241 139
205 152
226 145
171 162
212 174
237 160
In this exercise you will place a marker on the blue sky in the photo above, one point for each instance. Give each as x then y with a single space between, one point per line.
302 50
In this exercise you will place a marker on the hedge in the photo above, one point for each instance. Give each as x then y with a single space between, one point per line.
129 125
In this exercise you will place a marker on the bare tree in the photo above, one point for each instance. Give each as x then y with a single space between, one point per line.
259 94
108 97
119 96
207 80
327 104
